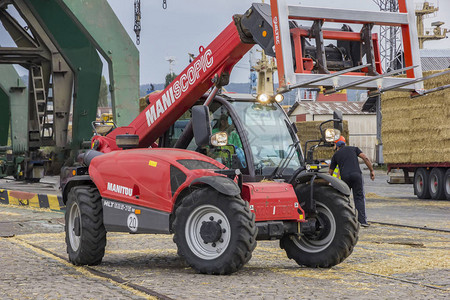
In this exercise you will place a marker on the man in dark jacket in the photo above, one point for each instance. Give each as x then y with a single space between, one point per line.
346 157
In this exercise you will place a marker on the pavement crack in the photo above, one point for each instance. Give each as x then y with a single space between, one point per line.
28 221
409 226
402 280
411 244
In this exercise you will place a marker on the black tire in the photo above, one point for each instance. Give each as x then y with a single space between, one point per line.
85 232
437 184
421 183
207 221
447 184
34 180
337 230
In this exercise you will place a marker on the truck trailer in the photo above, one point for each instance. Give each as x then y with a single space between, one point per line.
416 138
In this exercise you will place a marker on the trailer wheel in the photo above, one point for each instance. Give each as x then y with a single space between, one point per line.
336 230
85 232
214 233
421 183
447 184
437 184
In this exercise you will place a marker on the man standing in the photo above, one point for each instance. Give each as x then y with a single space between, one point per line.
346 157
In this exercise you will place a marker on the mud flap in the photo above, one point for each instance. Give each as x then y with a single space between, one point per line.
338 184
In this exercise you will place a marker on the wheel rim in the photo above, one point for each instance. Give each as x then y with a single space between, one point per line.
73 238
200 216
434 184
324 235
419 183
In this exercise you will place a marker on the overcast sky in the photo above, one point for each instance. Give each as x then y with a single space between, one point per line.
186 25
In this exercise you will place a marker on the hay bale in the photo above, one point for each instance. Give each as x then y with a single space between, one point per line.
309 130
417 130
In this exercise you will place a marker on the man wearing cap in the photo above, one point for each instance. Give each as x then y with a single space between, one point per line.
346 157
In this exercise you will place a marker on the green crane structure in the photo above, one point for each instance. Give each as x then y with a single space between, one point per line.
60 46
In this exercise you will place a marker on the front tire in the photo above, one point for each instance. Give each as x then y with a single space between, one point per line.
336 230
85 232
214 233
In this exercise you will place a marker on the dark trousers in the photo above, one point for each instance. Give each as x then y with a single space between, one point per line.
356 183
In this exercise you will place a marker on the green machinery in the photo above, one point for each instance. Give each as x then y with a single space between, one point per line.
60 46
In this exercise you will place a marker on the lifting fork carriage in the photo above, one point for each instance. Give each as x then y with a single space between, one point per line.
296 70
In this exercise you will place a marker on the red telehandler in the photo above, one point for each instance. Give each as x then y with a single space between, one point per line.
202 179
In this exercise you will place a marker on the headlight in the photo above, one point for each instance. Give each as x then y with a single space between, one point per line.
219 139
332 134
263 98
279 98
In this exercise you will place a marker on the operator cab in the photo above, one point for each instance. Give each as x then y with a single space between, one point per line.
261 140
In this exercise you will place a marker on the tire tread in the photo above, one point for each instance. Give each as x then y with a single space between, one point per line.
344 241
93 238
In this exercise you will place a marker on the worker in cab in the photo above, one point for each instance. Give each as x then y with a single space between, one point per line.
346 157
225 124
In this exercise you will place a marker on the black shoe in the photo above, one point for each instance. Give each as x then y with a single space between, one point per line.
365 225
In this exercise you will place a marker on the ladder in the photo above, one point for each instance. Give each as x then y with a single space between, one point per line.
48 122
295 71
43 104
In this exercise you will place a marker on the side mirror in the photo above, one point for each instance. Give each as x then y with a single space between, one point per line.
337 116
201 125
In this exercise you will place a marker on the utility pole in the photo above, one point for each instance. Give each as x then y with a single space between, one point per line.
391 53
253 77
171 60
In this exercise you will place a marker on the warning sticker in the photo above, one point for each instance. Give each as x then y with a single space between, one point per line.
116 205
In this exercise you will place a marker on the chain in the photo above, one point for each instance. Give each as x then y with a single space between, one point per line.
137 20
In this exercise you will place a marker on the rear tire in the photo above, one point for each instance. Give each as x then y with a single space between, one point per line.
447 184
214 233
421 183
85 232
337 230
437 184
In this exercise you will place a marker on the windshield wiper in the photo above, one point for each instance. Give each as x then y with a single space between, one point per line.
284 162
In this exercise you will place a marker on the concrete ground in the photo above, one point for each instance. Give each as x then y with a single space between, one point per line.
388 262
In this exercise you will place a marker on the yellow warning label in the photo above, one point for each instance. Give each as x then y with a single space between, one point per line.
152 163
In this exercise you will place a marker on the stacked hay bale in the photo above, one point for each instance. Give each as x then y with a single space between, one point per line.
309 130
417 130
